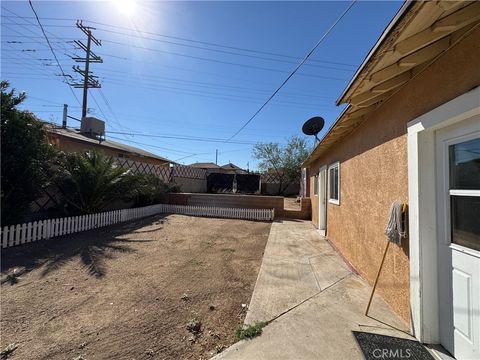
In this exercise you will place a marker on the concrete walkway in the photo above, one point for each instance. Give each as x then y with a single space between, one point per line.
314 300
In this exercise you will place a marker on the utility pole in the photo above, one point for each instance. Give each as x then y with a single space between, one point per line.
89 81
85 76
65 114
216 156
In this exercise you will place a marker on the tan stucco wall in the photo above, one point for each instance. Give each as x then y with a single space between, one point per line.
373 171
71 145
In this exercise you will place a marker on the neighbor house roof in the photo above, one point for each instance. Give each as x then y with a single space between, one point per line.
231 166
206 165
77 135
417 36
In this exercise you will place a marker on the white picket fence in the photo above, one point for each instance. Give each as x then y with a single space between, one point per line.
229 213
46 229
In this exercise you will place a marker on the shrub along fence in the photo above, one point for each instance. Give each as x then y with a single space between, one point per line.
190 179
39 230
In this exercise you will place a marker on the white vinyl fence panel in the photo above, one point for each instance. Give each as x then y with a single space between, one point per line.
39 230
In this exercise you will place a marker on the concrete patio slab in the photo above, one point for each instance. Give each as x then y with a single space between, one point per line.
296 265
314 299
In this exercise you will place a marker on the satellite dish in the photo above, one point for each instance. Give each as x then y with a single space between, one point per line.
313 126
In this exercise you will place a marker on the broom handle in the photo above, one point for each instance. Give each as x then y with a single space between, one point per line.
378 276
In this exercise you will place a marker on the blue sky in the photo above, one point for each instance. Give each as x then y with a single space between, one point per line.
192 69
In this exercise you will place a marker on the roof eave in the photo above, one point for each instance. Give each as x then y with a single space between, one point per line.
374 49
110 146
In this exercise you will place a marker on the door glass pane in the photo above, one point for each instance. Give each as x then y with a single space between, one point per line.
465 213
465 165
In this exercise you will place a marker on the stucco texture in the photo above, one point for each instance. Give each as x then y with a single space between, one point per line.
373 171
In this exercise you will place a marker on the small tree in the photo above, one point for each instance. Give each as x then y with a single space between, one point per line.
25 157
283 161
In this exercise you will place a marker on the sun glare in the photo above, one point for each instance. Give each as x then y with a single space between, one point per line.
126 7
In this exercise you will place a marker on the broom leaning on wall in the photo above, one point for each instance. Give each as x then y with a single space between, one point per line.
396 230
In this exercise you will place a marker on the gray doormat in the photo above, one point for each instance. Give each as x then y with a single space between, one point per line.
375 347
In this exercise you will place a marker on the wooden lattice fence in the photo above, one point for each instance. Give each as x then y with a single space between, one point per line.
270 178
188 172
136 167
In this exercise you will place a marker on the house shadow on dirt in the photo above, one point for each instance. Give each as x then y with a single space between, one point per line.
94 248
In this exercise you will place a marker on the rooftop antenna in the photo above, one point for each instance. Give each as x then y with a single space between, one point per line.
313 126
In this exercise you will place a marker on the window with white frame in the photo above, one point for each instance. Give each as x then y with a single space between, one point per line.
464 164
334 183
315 185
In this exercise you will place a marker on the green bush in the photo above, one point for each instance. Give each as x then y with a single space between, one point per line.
250 331
147 189
26 157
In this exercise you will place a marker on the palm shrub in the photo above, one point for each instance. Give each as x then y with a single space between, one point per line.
90 182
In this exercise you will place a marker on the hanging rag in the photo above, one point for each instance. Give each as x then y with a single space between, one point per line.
396 227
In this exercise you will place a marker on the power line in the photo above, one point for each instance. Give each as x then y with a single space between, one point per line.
175 86
223 76
212 50
220 61
152 146
212 85
46 100
219 51
25 18
191 92
178 137
197 41
53 52
216 96
188 156
110 108
99 108
293 72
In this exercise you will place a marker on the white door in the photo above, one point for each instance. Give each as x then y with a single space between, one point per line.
458 192
322 200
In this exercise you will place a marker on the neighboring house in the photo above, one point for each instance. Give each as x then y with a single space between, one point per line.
209 166
73 140
214 168
411 132
233 169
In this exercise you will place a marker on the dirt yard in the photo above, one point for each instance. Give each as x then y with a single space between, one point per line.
128 291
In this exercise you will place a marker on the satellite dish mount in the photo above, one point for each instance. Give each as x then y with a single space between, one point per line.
313 126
